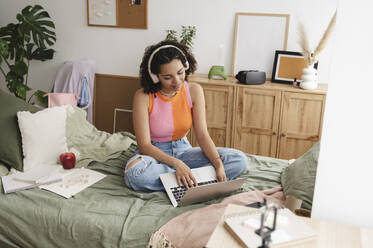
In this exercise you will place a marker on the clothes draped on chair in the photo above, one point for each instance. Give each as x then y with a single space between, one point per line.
77 77
57 99
84 95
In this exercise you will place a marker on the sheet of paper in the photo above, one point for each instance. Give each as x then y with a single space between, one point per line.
74 181
11 183
38 173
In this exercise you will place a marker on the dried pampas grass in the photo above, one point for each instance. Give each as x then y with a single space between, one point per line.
310 56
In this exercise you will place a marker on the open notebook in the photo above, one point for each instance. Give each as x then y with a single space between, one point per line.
43 174
53 178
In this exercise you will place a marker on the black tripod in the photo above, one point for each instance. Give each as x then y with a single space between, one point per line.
265 231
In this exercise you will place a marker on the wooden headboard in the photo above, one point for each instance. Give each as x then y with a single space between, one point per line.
112 104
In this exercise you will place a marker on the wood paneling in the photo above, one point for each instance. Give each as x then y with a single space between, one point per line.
123 121
112 92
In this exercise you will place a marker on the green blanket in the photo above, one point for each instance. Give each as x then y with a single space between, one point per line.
92 144
107 214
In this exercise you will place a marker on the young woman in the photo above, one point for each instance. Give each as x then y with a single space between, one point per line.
164 110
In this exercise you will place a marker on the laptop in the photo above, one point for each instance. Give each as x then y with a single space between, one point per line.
207 189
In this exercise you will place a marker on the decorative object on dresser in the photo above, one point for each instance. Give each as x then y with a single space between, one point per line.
273 120
309 76
288 66
217 71
251 77
256 36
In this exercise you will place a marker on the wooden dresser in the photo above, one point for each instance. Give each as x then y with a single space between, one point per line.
274 120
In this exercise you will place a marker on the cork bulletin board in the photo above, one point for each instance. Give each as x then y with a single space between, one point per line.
118 13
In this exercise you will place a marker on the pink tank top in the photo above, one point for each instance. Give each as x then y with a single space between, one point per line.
170 119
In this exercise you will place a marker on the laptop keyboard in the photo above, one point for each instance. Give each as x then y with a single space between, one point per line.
179 191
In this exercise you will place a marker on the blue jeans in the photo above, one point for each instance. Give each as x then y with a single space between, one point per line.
144 175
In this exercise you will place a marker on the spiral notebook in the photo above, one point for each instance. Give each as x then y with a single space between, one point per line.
289 228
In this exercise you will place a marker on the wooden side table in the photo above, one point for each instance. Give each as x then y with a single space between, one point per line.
330 235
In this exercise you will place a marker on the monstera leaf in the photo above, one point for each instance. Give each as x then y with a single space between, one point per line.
41 97
15 84
3 49
24 41
34 24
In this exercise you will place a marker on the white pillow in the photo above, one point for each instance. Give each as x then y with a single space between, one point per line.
43 136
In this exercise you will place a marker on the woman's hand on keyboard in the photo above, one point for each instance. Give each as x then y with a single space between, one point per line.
184 176
220 174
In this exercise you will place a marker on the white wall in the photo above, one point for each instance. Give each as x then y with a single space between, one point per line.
344 179
119 51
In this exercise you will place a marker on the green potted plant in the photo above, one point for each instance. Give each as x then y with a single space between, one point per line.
21 42
186 37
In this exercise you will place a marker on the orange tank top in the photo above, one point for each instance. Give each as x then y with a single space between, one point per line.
170 118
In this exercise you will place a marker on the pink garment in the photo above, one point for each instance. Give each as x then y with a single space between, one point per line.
186 230
69 77
170 118
57 99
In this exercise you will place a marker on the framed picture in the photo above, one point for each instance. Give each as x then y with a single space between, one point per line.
118 13
288 66
102 13
256 37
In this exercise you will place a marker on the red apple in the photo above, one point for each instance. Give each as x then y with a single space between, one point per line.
67 160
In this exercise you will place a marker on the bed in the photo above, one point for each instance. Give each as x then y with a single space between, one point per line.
107 214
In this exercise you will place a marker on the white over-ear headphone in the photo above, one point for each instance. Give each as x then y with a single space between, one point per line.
152 75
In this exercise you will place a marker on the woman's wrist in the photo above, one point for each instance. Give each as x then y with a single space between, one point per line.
177 163
217 162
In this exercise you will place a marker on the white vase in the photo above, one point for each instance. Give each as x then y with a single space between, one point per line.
309 78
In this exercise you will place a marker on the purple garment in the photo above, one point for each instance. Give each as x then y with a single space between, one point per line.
69 78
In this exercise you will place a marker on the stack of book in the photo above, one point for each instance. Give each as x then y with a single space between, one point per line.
237 229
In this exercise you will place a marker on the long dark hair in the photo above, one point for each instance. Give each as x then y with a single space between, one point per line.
164 56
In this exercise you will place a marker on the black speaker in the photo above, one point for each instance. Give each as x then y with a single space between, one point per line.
251 77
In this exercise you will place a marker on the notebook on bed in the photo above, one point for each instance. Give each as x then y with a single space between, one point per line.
208 187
